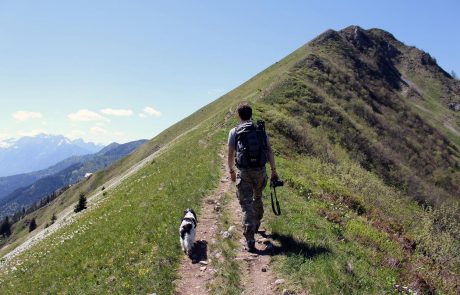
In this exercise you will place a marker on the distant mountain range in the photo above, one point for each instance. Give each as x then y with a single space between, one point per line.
23 190
32 153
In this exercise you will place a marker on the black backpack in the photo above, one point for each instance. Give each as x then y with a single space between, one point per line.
251 145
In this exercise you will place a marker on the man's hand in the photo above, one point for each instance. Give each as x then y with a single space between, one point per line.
233 175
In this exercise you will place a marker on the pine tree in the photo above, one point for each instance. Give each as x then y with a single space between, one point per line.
5 227
454 75
81 203
32 225
53 218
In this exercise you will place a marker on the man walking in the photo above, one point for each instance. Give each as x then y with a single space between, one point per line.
249 149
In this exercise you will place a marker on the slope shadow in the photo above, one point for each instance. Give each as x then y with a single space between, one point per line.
199 251
289 245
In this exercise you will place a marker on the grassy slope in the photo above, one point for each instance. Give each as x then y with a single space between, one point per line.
129 242
343 230
245 91
339 215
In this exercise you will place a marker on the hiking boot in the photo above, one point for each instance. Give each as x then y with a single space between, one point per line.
251 246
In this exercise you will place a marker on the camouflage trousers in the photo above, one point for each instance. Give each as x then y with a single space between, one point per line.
250 184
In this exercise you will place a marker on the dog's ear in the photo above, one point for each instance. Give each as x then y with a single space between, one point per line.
194 215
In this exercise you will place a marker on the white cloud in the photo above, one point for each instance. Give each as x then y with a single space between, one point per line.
4 142
32 132
97 130
86 115
74 134
117 112
4 136
149 111
5 145
25 115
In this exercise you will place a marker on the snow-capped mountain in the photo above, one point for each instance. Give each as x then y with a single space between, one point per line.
32 153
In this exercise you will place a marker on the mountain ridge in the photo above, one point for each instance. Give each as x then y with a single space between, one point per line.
356 148
64 173
32 153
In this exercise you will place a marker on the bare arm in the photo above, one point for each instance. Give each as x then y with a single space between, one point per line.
231 162
231 158
271 160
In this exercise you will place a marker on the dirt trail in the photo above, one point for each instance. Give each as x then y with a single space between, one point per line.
195 273
257 276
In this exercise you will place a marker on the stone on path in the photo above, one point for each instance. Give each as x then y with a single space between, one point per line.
279 282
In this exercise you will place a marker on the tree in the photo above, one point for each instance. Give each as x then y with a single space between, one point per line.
32 225
53 218
81 203
454 75
5 227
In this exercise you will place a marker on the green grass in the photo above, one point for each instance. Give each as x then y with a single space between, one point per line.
323 235
129 243
227 279
438 112
336 213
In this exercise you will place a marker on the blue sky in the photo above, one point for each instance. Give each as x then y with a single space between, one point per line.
123 70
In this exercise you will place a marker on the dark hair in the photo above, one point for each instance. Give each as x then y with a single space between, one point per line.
244 111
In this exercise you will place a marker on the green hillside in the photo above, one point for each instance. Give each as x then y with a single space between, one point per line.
359 124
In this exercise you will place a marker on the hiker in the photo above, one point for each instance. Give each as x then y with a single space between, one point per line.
249 149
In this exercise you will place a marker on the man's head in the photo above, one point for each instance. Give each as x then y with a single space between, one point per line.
244 111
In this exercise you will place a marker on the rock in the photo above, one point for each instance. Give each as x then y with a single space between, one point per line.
203 262
226 234
279 282
210 201
203 268
232 229
286 292
217 208
349 268
264 269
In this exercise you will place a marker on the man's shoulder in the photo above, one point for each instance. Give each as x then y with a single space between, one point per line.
232 136
232 131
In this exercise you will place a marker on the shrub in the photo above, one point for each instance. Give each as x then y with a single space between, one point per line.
5 227
81 203
32 225
439 235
